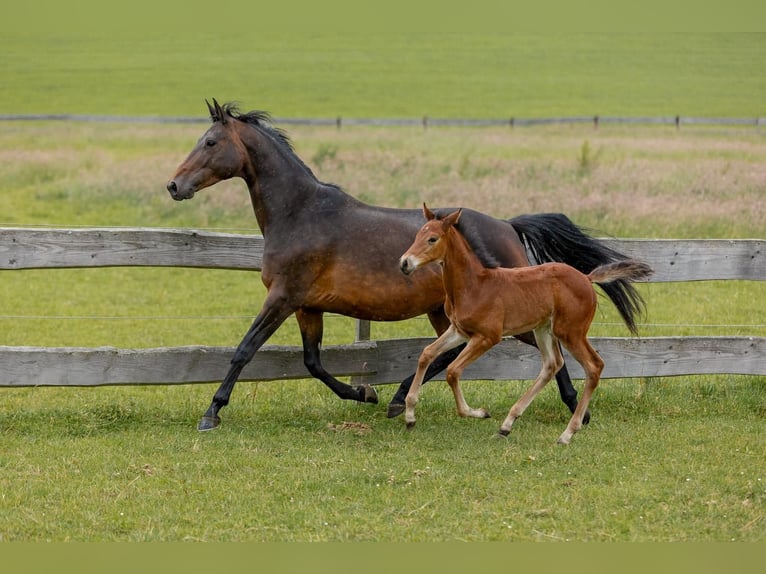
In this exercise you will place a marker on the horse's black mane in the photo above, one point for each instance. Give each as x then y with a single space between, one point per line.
256 118
262 120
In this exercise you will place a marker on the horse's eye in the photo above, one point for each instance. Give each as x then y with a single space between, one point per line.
210 142
432 240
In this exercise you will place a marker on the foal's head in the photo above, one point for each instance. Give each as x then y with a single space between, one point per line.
430 244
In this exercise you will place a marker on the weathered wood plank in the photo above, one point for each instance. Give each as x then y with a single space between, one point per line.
388 361
20 248
110 247
698 259
624 357
74 366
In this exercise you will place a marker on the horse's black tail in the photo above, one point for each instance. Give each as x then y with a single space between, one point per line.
554 237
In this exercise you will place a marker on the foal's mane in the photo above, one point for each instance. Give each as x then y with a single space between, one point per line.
472 235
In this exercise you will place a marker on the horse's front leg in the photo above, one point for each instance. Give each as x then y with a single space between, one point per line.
311 326
274 312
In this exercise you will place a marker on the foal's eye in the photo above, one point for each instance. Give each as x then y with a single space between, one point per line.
210 142
432 240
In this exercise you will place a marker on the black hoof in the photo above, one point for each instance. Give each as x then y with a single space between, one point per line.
586 417
208 423
394 410
368 394
487 415
502 433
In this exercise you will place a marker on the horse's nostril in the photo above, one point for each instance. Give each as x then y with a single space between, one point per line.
172 187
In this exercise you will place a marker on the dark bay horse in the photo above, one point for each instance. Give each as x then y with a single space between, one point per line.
327 252
553 300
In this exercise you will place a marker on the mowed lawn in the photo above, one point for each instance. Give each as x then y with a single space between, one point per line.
672 459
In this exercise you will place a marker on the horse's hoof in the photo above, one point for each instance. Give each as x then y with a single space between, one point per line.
208 423
370 395
502 433
410 425
486 414
394 410
586 417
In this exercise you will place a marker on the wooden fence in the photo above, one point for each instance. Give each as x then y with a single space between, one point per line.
382 361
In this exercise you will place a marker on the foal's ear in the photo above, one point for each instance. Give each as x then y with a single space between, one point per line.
453 217
428 213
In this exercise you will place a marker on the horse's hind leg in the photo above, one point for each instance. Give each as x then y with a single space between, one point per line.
311 326
592 364
272 315
552 360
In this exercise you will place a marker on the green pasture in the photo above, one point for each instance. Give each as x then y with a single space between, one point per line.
664 459
359 74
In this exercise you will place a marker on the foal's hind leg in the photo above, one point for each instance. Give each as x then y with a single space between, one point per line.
552 360
592 364
567 390
311 326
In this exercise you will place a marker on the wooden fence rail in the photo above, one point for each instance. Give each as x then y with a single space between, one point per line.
376 361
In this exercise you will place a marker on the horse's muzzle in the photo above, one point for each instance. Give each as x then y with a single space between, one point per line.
404 265
176 193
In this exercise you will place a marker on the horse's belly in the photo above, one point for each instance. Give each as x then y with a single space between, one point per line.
380 296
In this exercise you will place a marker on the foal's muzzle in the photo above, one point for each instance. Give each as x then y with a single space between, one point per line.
406 266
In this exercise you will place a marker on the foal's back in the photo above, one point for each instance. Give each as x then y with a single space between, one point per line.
532 296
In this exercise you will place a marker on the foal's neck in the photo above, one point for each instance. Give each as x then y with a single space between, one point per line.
461 268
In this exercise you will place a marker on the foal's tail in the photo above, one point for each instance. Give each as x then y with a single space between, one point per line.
553 237
626 269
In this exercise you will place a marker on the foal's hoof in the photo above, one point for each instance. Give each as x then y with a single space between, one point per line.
501 434
368 394
410 425
586 417
208 423
394 410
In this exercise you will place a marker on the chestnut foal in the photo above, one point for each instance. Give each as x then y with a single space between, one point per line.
554 300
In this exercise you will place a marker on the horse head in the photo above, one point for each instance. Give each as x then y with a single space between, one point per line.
218 155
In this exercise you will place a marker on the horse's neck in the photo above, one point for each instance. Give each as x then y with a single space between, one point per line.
280 184
461 268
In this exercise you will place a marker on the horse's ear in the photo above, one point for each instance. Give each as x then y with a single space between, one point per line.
453 217
211 111
219 112
428 213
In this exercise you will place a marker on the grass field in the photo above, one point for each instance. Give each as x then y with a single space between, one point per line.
383 75
663 460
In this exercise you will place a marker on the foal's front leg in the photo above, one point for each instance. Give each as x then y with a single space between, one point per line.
476 347
448 340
